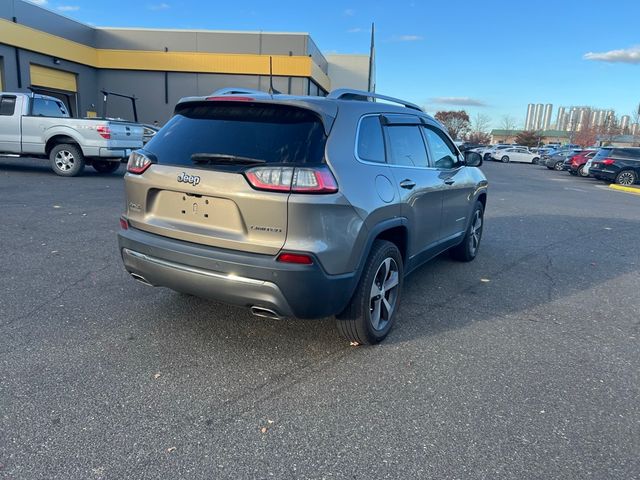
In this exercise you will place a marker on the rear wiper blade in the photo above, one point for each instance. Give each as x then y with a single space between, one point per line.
224 158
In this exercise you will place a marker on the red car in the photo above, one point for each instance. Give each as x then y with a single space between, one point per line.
577 162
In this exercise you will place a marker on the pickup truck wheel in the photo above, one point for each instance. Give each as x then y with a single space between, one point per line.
468 249
105 166
372 310
67 160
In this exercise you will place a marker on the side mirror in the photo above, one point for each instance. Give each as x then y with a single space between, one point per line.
472 159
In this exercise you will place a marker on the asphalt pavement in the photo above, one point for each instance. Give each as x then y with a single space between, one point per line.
522 364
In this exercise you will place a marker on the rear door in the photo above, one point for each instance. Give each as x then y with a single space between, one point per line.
9 124
194 192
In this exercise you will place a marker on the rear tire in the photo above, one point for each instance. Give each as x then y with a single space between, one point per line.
505 159
372 310
558 166
581 171
535 161
105 166
626 178
66 160
468 249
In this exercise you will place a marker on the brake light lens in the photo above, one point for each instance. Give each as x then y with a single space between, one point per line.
138 163
298 258
292 179
124 224
104 131
608 161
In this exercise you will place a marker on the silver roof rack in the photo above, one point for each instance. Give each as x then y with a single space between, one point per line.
351 94
237 91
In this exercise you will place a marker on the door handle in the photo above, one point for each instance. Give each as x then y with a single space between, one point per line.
449 181
408 184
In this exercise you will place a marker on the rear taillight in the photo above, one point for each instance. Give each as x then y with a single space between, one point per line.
138 163
298 258
292 179
124 224
104 131
608 161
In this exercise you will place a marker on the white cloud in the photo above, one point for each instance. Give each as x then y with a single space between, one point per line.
349 12
627 55
407 38
39 2
458 101
159 6
68 8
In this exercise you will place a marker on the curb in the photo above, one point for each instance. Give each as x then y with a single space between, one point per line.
634 190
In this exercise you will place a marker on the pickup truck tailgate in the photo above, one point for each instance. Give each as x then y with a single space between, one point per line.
122 134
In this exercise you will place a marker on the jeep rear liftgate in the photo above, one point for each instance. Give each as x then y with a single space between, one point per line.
227 181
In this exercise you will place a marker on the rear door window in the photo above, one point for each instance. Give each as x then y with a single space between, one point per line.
200 133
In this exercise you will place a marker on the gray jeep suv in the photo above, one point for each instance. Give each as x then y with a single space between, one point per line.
299 206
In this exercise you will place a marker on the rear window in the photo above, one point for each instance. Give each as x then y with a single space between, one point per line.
603 153
271 133
45 107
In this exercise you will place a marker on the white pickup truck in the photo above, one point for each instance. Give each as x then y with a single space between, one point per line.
33 125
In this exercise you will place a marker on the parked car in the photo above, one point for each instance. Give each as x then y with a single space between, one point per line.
575 164
556 161
515 154
619 165
488 152
219 204
33 125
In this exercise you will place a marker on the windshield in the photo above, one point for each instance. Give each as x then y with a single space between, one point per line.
220 133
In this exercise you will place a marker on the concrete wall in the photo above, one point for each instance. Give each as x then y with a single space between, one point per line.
349 71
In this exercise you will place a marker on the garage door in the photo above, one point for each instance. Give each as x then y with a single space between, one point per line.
52 78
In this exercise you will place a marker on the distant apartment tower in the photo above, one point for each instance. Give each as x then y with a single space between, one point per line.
528 124
561 120
546 118
624 123
537 116
635 129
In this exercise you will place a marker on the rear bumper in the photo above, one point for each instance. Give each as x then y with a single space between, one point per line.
114 152
603 174
242 279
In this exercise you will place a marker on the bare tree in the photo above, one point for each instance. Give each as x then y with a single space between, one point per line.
508 122
480 129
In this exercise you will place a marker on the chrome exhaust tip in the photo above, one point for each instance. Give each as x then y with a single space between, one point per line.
265 313
141 279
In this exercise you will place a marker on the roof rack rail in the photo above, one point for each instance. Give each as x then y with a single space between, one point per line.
237 91
351 94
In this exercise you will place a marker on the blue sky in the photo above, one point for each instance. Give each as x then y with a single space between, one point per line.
492 57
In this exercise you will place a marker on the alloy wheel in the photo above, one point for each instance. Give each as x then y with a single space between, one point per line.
64 160
476 232
384 294
626 178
